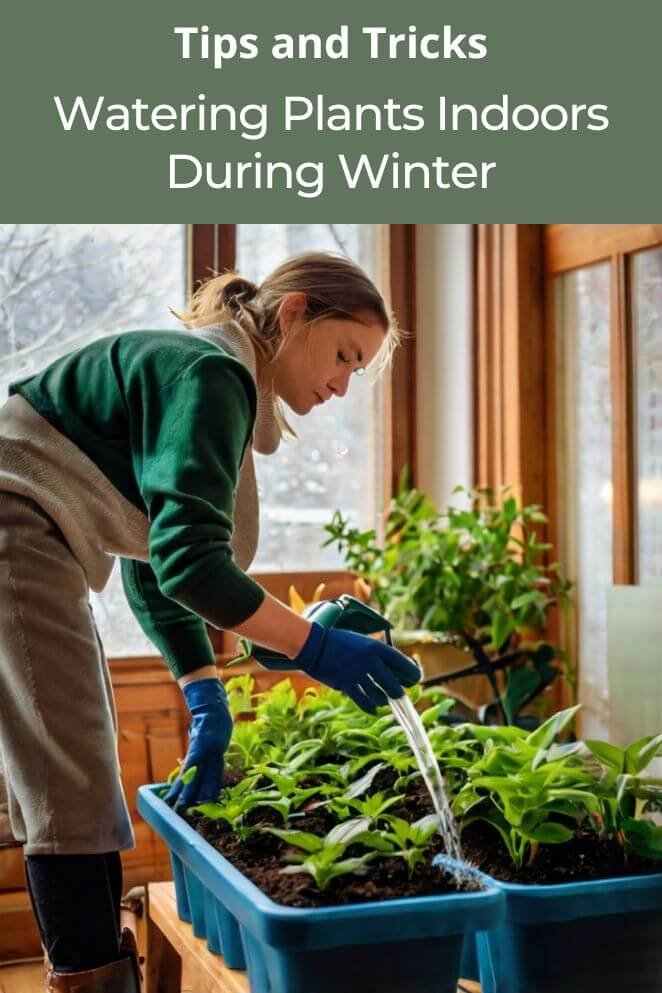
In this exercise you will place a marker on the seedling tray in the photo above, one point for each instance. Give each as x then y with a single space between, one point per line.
600 936
413 945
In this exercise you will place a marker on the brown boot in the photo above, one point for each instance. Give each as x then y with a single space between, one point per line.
122 976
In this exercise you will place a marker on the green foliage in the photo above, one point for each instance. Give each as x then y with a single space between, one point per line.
371 808
402 839
235 804
626 797
323 751
475 575
478 570
533 790
323 858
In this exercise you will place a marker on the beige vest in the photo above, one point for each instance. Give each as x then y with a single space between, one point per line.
97 522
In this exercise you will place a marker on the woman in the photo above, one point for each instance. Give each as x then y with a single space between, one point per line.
140 445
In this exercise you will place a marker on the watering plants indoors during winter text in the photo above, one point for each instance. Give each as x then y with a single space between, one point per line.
314 114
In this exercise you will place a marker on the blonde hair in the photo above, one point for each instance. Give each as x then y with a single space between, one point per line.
334 287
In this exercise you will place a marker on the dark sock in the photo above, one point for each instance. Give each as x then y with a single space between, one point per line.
114 869
76 902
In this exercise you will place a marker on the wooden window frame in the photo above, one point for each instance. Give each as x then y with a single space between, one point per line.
509 360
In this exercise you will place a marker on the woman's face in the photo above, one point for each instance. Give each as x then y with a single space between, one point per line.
316 361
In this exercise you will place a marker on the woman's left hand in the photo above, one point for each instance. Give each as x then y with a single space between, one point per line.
209 737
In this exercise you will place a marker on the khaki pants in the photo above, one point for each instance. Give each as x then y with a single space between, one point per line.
58 726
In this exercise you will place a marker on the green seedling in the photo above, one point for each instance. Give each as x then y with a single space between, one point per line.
322 858
236 803
400 839
372 808
341 834
278 709
626 796
248 745
328 864
290 795
526 792
241 693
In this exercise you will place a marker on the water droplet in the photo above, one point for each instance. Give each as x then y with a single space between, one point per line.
341 450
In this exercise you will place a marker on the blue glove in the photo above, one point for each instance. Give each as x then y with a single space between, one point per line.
367 670
209 736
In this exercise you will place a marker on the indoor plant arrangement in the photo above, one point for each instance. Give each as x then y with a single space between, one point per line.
474 577
324 807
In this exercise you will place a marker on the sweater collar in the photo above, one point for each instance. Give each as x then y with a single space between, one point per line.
232 338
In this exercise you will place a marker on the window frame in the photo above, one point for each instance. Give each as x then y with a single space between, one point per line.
509 360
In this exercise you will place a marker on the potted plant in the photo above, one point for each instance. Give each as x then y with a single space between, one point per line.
472 580
572 843
314 870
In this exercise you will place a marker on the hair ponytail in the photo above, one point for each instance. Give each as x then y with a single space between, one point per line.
332 284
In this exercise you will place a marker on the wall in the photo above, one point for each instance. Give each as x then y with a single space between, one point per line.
443 361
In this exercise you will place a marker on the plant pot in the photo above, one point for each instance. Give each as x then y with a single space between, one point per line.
438 659
601 936
413 945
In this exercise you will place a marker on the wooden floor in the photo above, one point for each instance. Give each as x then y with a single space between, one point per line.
28 978
23 978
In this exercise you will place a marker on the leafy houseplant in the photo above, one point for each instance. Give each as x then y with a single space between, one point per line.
473 576
533 790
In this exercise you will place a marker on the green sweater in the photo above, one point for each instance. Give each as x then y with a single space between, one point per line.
166 416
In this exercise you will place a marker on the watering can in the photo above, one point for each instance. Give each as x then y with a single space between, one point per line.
345 612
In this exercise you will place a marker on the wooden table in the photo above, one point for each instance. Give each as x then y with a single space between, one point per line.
177 962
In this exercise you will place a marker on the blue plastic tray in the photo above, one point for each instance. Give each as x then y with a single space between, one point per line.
411 945
602 936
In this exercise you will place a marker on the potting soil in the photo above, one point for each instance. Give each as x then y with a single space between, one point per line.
262 856
583 858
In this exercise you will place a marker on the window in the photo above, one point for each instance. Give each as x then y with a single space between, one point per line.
336 460
64 285
569 397
606 286
647 318
585 478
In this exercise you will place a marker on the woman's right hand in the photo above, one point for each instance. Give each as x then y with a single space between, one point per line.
367 670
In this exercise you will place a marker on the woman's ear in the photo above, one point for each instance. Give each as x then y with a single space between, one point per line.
292 309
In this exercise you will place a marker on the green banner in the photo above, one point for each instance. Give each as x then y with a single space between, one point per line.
463 111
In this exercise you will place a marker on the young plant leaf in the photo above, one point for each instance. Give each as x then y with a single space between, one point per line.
543 736
344 833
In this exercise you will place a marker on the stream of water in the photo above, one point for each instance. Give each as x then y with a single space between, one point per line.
409 720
